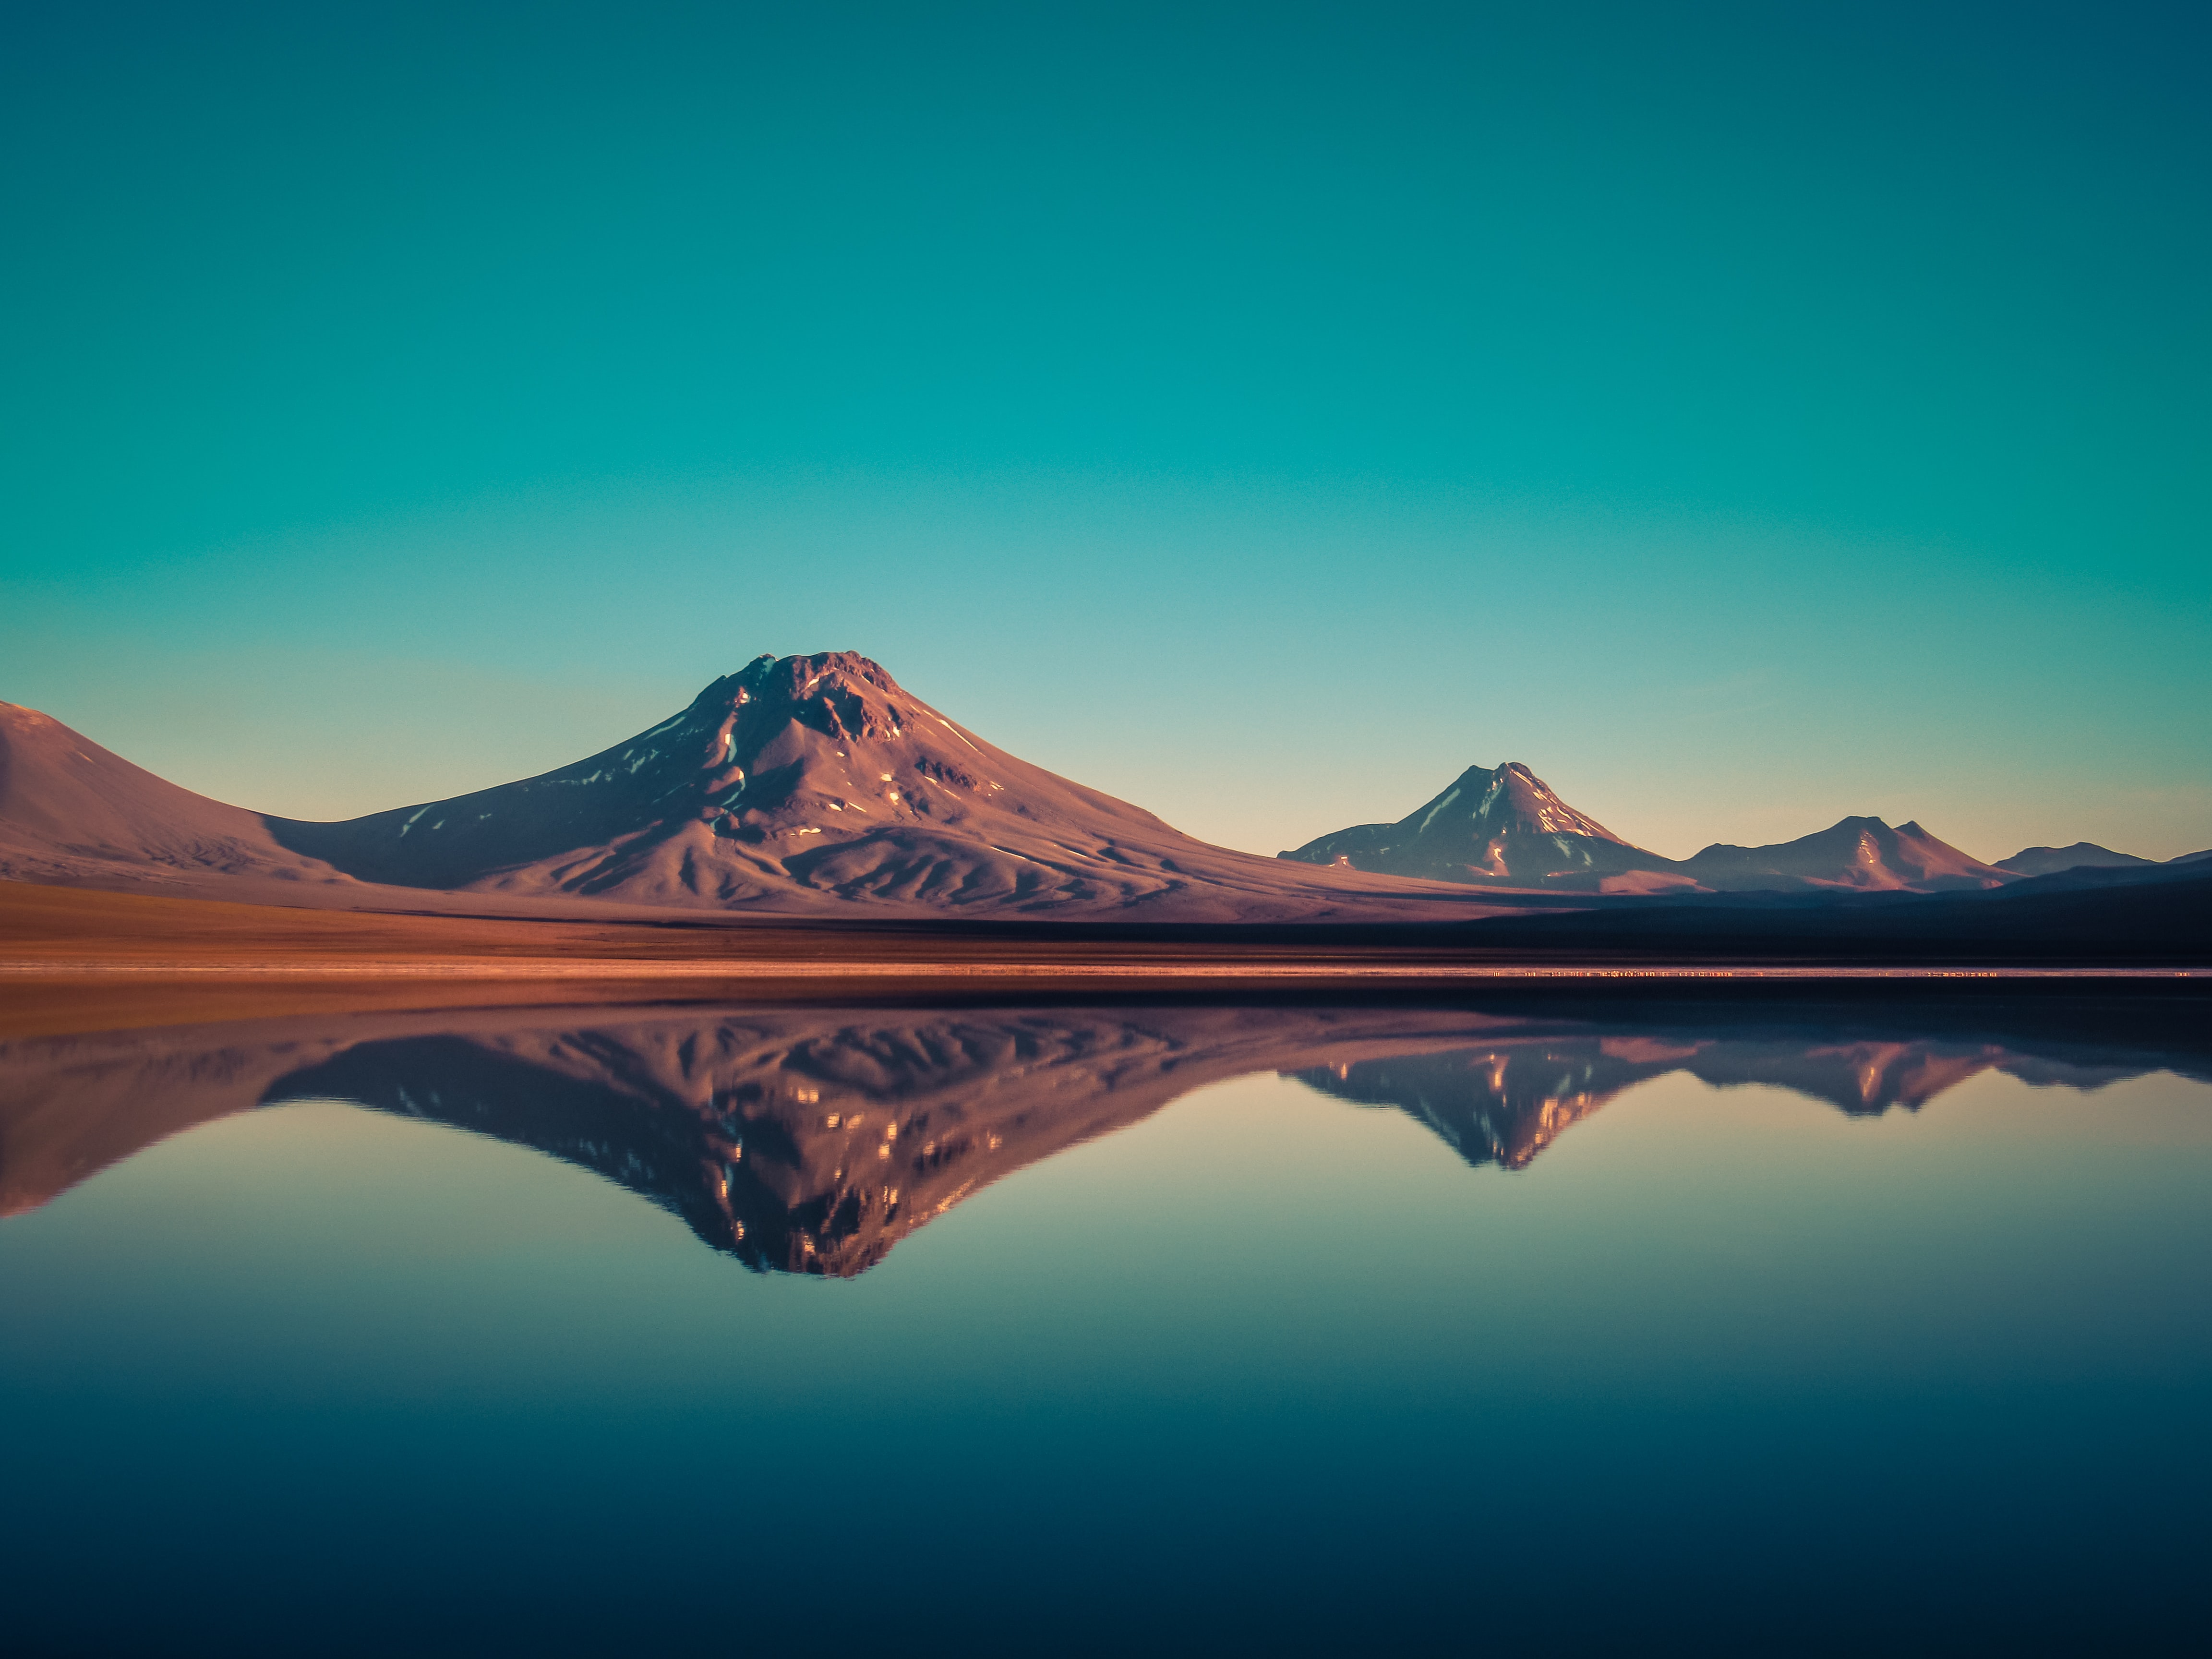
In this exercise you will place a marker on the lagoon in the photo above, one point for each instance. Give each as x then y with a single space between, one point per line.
1531 1325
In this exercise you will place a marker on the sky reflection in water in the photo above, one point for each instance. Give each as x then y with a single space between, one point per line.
1899 1336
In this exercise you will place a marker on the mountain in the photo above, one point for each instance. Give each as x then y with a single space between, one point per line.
2044 861
816 785
68 806
1856 854
1502 826
806 785
1506 827
2088 855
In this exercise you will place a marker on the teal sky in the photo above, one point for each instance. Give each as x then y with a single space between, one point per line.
1744 415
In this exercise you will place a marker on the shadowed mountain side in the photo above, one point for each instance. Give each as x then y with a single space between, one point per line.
811 1140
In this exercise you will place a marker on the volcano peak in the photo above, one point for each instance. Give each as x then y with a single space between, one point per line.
802 782
1501 823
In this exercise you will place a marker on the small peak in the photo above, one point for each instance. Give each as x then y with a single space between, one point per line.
748 678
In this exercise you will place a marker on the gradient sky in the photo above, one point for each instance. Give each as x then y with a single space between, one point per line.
1743 414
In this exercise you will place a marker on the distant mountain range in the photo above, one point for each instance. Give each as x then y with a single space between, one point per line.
816 784
2083 855
1505 828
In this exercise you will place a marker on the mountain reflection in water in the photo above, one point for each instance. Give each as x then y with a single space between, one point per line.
812 1140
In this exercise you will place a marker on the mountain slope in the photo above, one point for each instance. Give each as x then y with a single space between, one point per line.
68 806
804 785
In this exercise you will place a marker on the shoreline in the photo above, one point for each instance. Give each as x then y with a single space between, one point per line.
493 970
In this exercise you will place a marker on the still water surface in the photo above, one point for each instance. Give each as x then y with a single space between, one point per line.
1089 1330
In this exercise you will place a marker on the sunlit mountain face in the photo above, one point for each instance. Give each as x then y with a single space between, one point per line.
812 1140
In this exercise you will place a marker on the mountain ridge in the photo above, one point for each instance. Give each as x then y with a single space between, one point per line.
1519 832
798 784
2086 855
817 785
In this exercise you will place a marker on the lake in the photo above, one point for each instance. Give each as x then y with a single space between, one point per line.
1797 1321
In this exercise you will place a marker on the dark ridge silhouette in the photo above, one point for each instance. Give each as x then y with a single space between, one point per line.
2082 854
2160 917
